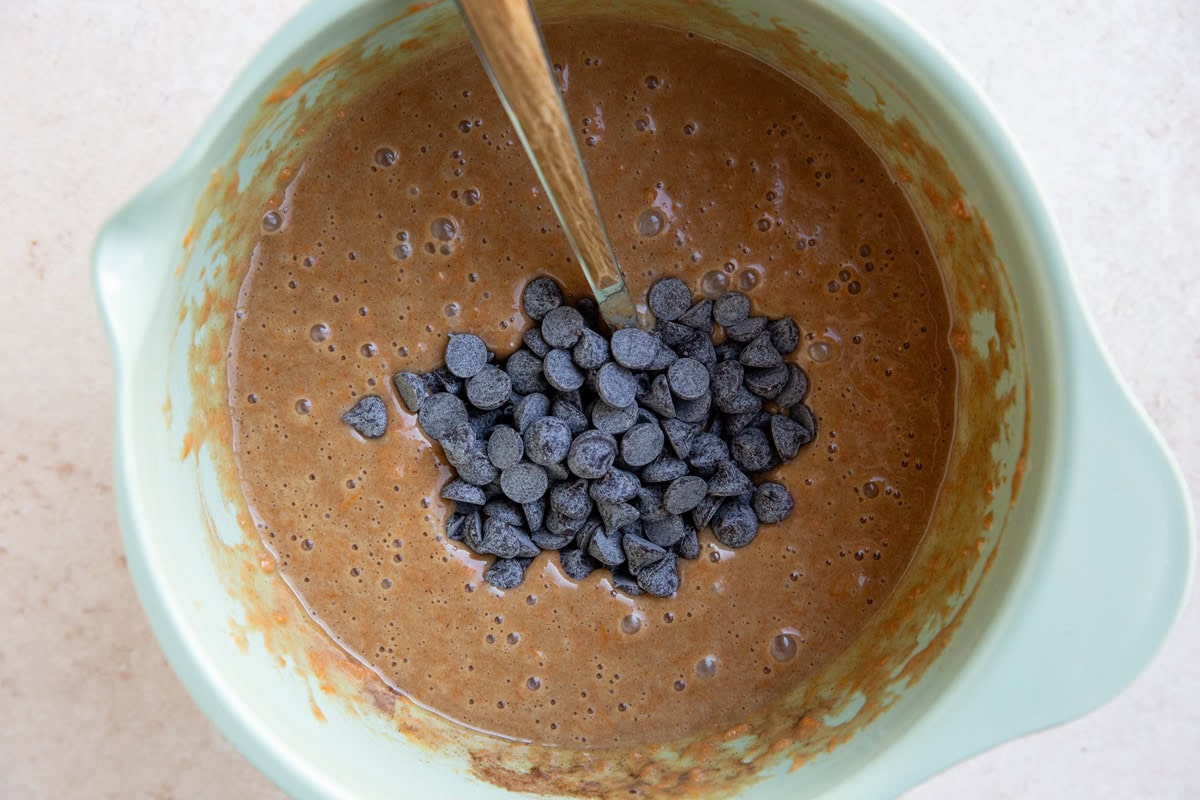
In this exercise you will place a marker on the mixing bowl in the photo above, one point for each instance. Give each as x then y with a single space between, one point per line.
1060 549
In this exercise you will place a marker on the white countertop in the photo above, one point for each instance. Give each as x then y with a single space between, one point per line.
96 98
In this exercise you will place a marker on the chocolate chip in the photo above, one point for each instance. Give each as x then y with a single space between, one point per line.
454 527
746 330
477 469
505 447
734 524
702 514
803 415
570 498
605 547
730 308
760 353
660 578
640 552
547 441
443 380
785 336
557 471
728 351
551 541
663 357
472 531
617 486
684 494
669 299
735 423
571 398
506 541
701 348
743 402
772 502
767 383
688 547
707 452
688 378
560 524
751 450
504 510
641 444
466 354
680 435
588 309
368 417
505 573
788 436
412 389
634 348
489 388
729 481
592 454
482 422
673 334
699 317
562 327
794 389
568 412
658 399
666 531
576 564
440 413
664 469
530 407
616 516
459 443
534 510
591 351
626 584
616 385
587 529
695 411
726 378
561 371
541 296
650 504
524 371
535 342
611 419
460 491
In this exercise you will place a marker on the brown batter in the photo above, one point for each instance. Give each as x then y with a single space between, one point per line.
419 215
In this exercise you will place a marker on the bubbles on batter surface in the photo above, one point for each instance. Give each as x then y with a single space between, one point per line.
443 229
272 221
303 406
319 332
820 351
385 156
783 648
630 624
714 284
706 667
650 223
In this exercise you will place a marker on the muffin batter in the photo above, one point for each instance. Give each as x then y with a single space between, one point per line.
419 215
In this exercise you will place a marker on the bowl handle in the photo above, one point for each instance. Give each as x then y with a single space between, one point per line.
131 261
1102 591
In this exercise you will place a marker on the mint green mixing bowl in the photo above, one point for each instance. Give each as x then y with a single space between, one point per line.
1082 588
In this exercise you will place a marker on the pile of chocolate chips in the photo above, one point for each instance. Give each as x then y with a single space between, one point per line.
613 450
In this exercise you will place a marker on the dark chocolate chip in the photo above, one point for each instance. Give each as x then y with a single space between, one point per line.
611 419
506 541
551 541
460 491
746 330
592 454
591 351
669 299
482 422
701 348
734 524
640 552
588 309
688 378
454 527
472 532
368 417
576 564
535 342
489 388
641 444
571 398
646 415
547 440
760 353
772 502
577 421
466 354
664 469
626 584
440 413
735 423
560 524
540 297
731 307
412 389
707 452
477 469
650 504
562 327
699 317
505 447
524 370
561 371
505 573
661 578
663 357
605 547
684 494
728 351
443 380
667 531
557 471
616 385
726 378
751 450
743 402
533 510
702 514
587 529
680 435
673 334
617 486
695 411
505 511
459 443
785 336
803 415
634 348
767 383
659 399
788 436
729 481
570 498
689 546
794 389
530 407
617 515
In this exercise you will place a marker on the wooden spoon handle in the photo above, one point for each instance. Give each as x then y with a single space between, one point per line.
506 36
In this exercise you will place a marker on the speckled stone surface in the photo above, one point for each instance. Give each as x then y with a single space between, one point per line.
98 98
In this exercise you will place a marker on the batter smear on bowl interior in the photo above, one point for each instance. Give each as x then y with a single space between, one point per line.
419 215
